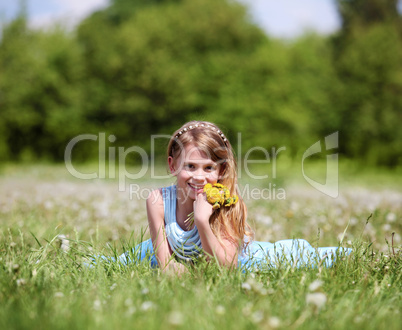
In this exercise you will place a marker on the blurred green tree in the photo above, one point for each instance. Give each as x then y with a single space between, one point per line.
142 67
367 12
368 58
282 95
163 65
40 74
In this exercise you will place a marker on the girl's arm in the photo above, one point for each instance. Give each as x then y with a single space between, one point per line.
225 253
160 244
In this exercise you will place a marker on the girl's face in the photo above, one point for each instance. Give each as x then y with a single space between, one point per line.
193 169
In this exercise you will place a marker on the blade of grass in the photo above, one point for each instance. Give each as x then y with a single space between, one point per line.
37 241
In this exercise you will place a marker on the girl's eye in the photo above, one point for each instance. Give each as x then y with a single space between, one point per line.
210 168
189 166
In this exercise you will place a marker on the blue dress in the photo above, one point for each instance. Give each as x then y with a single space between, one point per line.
256 256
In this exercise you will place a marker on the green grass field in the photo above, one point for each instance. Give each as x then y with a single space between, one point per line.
45 284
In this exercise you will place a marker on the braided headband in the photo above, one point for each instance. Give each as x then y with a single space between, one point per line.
185 129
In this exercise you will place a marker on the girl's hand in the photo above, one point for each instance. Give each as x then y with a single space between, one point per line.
175 268
202 209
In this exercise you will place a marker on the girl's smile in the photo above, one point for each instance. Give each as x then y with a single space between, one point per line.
196 188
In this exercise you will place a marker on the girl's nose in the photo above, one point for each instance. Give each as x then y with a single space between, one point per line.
199 175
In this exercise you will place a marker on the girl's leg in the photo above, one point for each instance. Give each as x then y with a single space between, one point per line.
297 252
142 252
328 255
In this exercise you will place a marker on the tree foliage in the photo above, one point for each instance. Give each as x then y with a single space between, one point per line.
369 64
39 92
144 67
164 65
367 12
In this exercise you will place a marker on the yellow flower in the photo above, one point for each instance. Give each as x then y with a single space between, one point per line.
217 195
214 195
216 206
207 187
231 200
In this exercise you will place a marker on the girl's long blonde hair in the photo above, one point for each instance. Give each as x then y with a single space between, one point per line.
227 222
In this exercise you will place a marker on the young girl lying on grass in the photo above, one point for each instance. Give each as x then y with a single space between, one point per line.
184 224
